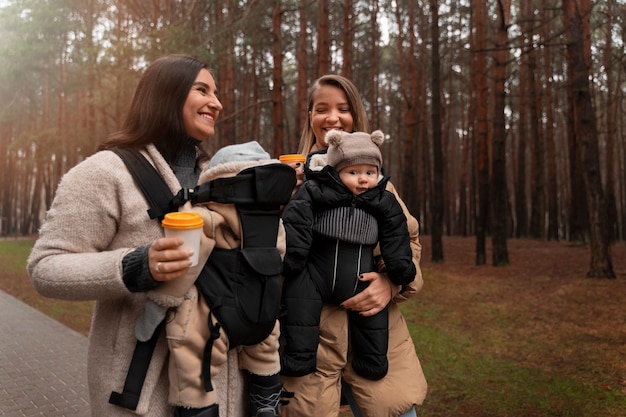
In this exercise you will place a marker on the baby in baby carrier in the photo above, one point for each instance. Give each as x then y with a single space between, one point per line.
236 299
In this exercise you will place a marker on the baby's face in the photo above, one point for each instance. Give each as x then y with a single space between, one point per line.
359 178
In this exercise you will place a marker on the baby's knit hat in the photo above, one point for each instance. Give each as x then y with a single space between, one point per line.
345 149
241 152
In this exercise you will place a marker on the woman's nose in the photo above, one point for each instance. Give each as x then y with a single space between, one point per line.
333 115
215 103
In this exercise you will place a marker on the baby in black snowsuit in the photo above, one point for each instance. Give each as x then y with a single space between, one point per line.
333 223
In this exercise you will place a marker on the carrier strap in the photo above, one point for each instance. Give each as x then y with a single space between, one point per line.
214 330
129 397
152 185
158 196
346 391
264 186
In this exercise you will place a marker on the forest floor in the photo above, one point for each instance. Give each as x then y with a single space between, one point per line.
539 320
559 260
534 338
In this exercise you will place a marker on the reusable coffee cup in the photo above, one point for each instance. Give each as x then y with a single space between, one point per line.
187 225
292 159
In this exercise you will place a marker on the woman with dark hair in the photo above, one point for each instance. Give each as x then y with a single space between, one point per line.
98 242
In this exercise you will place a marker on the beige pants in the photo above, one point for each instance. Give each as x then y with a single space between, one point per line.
187 333
318 394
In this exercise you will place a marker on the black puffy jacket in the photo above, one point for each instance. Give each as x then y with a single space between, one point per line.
330 236
323 191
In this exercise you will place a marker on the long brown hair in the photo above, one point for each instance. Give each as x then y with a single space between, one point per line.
156 111
357 109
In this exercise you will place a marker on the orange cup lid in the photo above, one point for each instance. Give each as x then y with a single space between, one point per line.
291 157
182 220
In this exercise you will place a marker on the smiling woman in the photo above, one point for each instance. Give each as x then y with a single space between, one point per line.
202 107
114 258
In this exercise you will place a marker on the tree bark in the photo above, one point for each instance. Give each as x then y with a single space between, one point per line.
277 79
551 138
226 77
499 192
374 66
323 38
613 219
302 85
585 130
347 40
481 133
438 191
407 85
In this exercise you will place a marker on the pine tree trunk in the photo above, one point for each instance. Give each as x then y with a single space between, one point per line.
438 185
277 80
586 138
499 194
481 133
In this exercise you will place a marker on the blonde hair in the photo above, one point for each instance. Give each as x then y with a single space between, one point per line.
357 109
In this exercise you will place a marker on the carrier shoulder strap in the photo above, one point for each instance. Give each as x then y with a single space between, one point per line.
158 195
152 185
139 364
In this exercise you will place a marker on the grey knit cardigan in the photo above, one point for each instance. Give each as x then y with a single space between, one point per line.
97 217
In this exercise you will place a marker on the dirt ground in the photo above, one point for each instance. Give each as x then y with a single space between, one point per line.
561 261
556 319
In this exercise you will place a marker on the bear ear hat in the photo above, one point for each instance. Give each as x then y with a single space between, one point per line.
333 137
378 137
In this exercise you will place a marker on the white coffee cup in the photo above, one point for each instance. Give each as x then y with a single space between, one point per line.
188 225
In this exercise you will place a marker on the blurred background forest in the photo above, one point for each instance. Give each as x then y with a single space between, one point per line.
505 117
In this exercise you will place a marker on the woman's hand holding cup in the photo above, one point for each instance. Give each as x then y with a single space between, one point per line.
296 161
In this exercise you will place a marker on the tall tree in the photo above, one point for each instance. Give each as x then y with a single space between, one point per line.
519 174
481 133
438 188
347 38
322 62
374 65
277 79
301 65
551 138
407 79
498 191
225 48
611 128
585 131
531 132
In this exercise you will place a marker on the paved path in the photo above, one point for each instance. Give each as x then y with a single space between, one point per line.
43 364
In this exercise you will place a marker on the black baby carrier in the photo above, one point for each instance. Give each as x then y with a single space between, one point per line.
241 285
